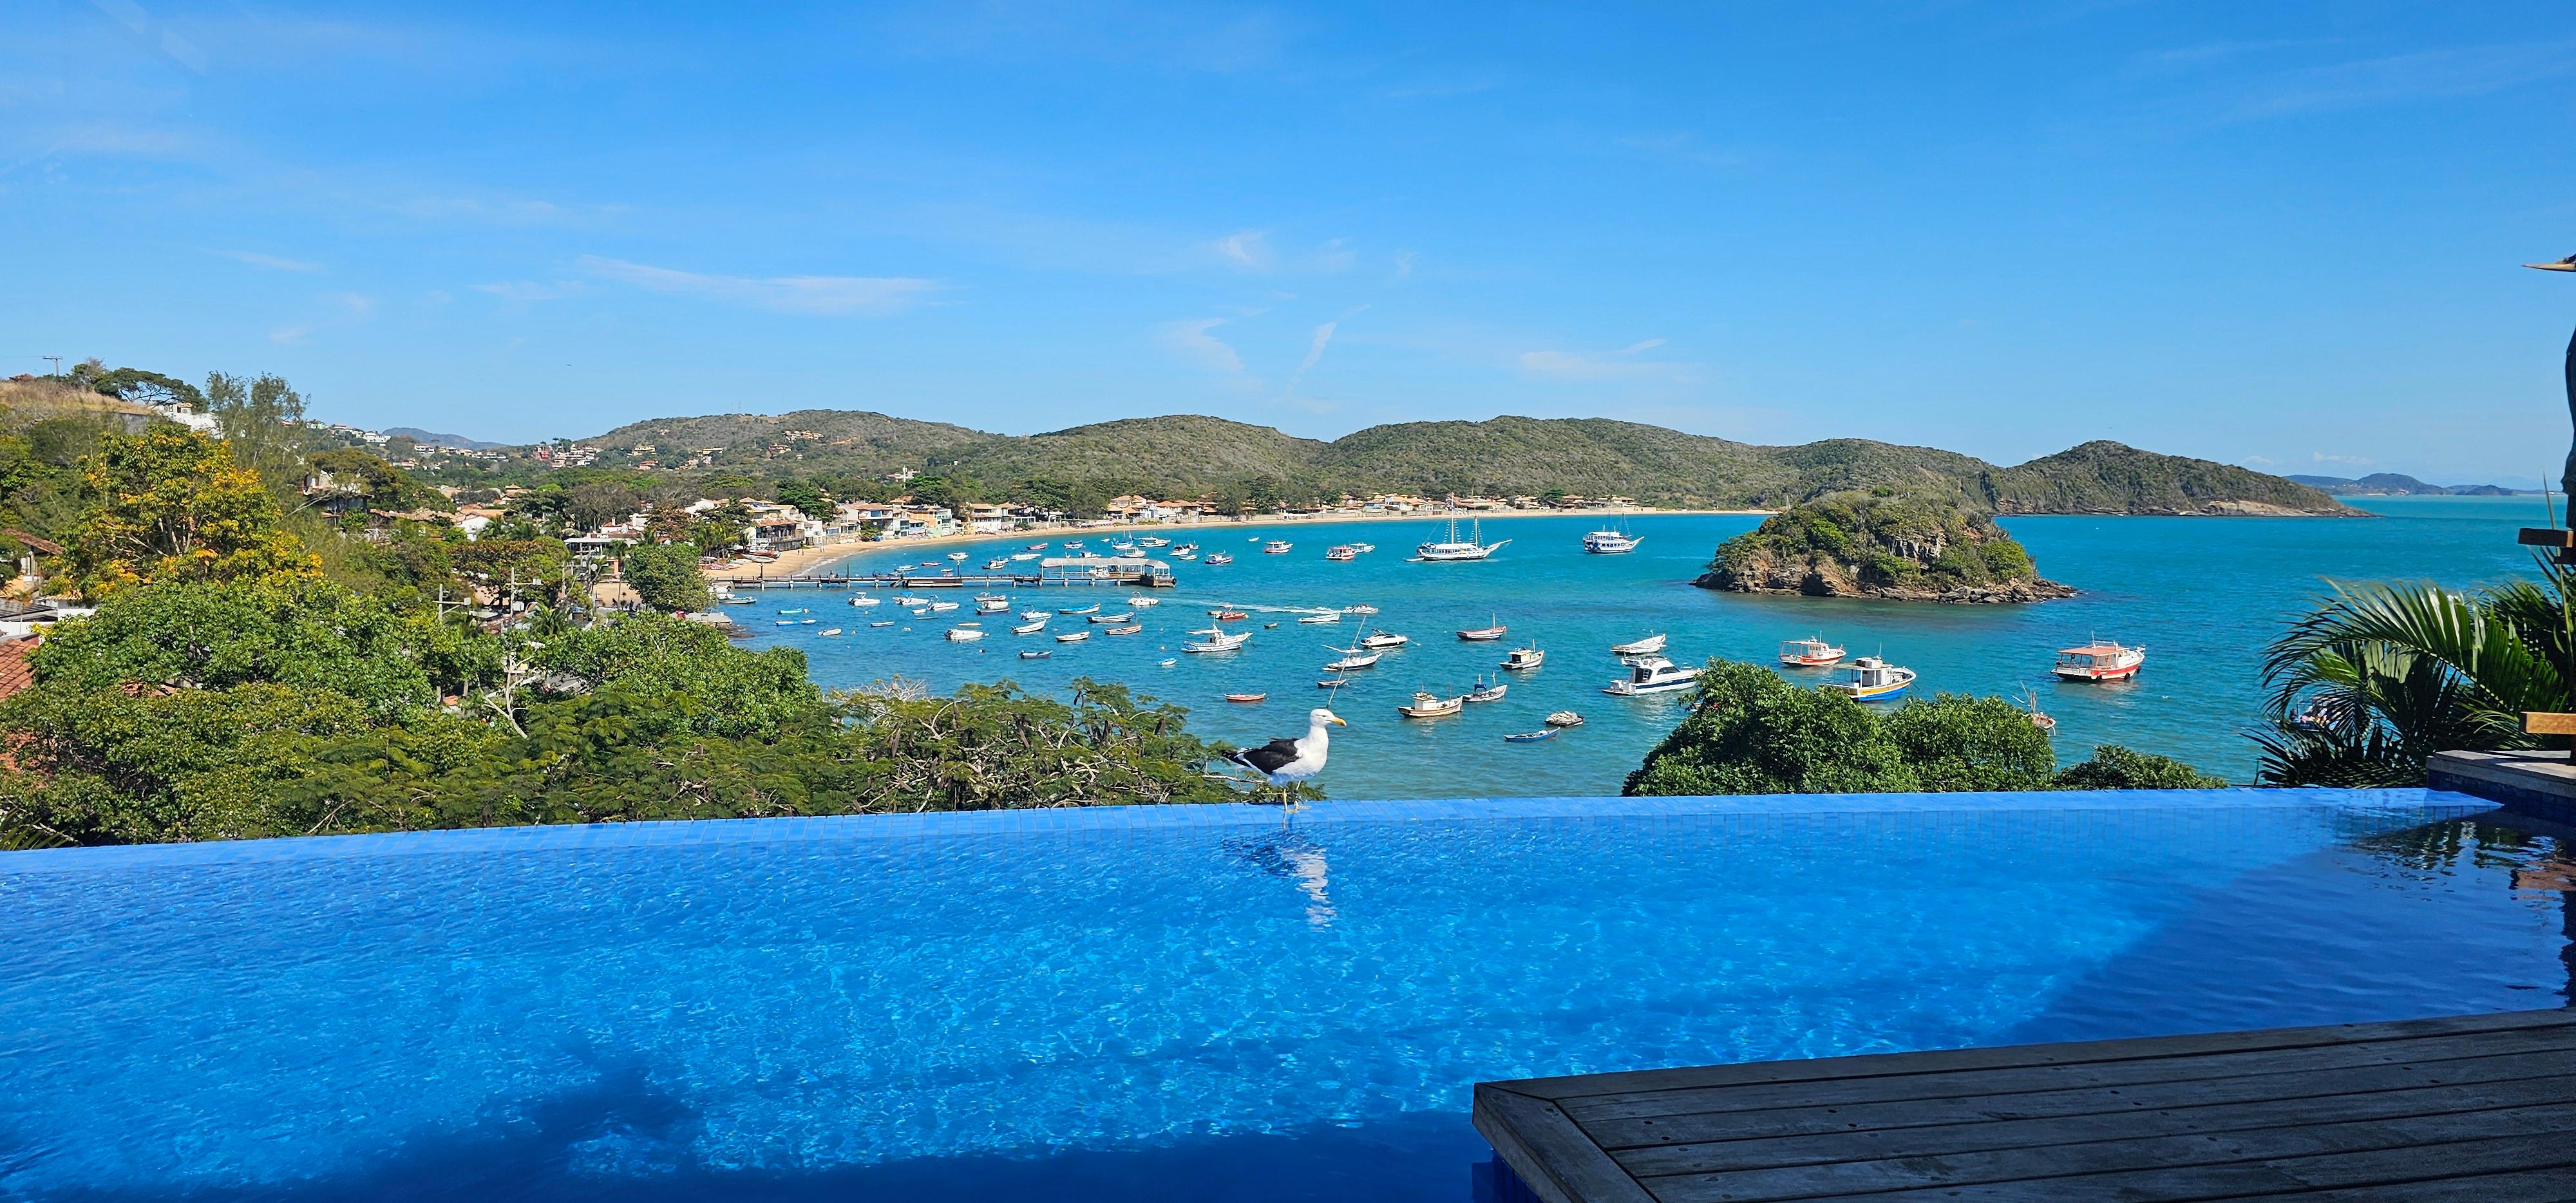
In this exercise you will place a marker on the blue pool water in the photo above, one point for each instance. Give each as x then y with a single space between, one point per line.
2204 595
1183 1002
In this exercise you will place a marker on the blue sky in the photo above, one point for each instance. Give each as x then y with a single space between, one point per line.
2277 234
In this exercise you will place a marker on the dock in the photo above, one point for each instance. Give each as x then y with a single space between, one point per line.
2471 1108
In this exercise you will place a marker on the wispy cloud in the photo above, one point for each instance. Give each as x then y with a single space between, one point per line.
1247 249
523 292
1622 364
289 335
357 304
1190 340
1315 350
836 296
275 263
1403 265
2349 461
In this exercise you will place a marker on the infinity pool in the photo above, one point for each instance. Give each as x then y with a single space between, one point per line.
1182 1002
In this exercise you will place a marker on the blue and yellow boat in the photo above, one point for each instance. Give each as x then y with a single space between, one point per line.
1870 679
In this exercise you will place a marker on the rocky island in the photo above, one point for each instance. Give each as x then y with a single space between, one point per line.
1883 544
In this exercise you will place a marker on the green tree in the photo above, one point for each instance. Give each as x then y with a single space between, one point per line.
1957 742
806 496
2379 677
2116 767
666 576
169 504
262 420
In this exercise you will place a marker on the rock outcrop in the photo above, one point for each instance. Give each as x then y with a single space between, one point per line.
1881 545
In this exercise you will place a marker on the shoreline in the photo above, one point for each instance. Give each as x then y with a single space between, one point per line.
802 559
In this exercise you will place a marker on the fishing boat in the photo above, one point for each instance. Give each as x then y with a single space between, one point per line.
1531 737
1456 550
1608 542
829 631
1359 609
1219 559
1246 698
1649 646
1488 691
1228 615
1073 637
1652 674
2046 723
1277 547
1485 634
1522 659
1320 619
865 600
1809 653
1341 552
1093 608
1035 655
1351 658
1029 628
1144 603
1382 640
1564 718
2099 661
1871 679
964 634
1430 705
940 607
1218 640
1108 619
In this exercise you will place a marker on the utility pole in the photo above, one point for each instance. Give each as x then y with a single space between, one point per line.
57 361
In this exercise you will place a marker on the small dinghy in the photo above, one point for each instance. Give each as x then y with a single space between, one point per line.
964 634
1129 629
1093 608
1029 628
1110 619
1227 615
887 623
1035 655
1246 698
1166 663
829 631
1531 737
1074 637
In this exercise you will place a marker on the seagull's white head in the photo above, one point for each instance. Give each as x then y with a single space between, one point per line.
1320 717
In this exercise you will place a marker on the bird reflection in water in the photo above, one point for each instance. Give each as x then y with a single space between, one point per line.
1289 854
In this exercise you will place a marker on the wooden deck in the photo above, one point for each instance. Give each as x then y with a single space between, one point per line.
2474 1108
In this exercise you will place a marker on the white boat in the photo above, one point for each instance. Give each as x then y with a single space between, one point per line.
908 601
1218 640
1093 608
1033 615
1488 691
1073 637
1456 550
1352 658
1277 547
1024 555
2098 660
1870 679
1037 547
787 622
1524 658
804 622
938 607
1809 653
1185 554
993 605
1648 646
1363 548
1317 619
1029 628
1342 552
964 634
1381 640
1153 541
1129 629
1073 545
958 556
1220 559
996 564
1144 603
1359 609
829 631
887 623
1607 542
1653 674
1431 705
1110 619
865 600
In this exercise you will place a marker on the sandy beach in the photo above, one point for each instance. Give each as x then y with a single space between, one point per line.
807 559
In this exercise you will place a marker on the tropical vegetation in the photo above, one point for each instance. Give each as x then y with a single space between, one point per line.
1749 731
2378 677
1879 542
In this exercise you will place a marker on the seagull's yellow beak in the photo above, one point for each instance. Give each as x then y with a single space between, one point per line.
1336 720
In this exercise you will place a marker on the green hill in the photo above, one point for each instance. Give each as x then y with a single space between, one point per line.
1189 454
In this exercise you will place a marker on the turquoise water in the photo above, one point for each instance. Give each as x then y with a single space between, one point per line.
1150 1003
2203 595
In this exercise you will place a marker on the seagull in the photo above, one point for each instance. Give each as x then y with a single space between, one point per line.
1285 762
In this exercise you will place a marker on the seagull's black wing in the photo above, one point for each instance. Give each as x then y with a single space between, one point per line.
1268 758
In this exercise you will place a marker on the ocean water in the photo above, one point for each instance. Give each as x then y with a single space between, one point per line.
1151 1003
2203 595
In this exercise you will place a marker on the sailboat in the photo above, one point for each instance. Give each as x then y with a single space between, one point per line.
1456 550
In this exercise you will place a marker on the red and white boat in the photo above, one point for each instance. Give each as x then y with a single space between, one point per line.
2099 661
1809 653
